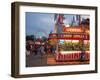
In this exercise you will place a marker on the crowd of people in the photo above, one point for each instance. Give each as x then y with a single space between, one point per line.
40 49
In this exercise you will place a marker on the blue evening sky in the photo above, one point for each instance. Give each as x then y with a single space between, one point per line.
41 24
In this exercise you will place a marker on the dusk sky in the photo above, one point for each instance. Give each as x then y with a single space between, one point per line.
41 24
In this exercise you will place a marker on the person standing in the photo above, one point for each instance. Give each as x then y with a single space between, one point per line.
28 49
42 50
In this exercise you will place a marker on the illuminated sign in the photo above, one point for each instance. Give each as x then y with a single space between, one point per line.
70 36
72 29
74 36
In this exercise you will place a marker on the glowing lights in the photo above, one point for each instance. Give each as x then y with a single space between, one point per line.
72 33
72 29
70 36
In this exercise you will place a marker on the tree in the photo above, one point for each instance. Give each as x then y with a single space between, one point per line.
30 37
44 39
33 37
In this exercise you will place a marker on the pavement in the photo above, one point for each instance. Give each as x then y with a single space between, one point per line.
47 60
36 60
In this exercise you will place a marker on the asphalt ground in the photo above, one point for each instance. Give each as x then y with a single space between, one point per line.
48 60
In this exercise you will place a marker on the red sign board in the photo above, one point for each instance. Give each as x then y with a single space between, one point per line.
69 36
72 29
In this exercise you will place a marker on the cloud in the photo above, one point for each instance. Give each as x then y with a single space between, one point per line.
37 22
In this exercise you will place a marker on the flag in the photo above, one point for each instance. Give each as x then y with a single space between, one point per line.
60 18
55 17
78 18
